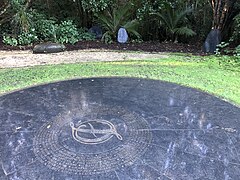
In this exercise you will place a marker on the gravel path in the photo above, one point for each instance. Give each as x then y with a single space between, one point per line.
10 59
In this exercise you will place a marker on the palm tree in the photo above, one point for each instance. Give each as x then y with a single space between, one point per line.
112 20
174 20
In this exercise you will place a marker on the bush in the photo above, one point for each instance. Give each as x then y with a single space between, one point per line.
10 40
45 28
112 20
67 32
237 51
84 35
236 30
27 38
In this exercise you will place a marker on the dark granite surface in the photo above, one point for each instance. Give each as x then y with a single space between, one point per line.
117 128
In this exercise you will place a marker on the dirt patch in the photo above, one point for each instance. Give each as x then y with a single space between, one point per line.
26 58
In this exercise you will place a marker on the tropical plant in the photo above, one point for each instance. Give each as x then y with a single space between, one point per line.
67 32
112 20
10 40
21 20
84 35
174 22
45 27
236 30
27 38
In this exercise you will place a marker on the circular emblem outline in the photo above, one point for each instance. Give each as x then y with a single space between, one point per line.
49 151
82 127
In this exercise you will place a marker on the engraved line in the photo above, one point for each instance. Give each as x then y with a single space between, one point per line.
117 175
162 174
17 112
171 129
211 158
234 147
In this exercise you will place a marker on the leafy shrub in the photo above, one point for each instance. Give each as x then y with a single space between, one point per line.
114 19
237 51
67 32
45 28
84 35
27 38
236 31
221 48
96 5
174 21
10 40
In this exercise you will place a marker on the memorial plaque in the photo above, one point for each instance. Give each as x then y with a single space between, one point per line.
117 128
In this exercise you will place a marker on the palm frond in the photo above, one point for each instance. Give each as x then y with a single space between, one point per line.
185 31
132 27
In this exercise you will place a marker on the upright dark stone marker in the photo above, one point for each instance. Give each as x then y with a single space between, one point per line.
117 128
97 31
212 40
49 48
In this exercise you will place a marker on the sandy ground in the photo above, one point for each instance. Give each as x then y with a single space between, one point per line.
9 59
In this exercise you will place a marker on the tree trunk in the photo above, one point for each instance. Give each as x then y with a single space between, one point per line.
4 6
221 10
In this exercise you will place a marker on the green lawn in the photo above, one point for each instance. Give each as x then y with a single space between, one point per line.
208 73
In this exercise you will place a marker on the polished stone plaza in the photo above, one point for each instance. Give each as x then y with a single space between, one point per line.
117 128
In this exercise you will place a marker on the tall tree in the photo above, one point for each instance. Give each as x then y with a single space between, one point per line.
222 13
4 7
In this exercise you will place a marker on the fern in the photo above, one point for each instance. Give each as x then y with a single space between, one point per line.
111 21
173 21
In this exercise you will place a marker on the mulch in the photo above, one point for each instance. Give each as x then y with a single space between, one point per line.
151 46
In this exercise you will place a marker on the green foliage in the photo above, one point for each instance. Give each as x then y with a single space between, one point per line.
27 38
10 40
221 48
174 20
229 62
237 51
67 32
114 19
84 35
96 5
21 21
236 31
45 28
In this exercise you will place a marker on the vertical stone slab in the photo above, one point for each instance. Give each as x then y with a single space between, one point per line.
212 40
122 35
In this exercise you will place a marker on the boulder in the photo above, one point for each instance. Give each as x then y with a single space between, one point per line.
212 40
97 31
48 48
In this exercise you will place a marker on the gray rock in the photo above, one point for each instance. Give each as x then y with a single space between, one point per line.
97 31
49 48
212 40
122 35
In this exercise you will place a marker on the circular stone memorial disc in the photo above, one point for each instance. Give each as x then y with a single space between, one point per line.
117 128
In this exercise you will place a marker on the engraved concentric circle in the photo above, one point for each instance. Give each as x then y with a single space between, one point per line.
55 146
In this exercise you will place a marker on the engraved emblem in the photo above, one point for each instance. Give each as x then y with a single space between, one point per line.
94 132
